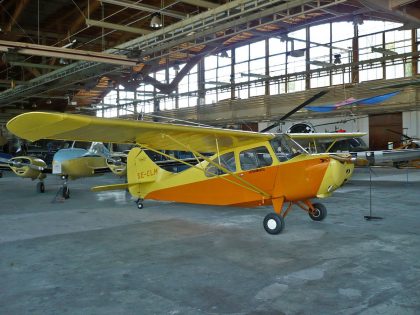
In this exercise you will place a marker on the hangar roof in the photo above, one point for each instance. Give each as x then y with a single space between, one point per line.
61 52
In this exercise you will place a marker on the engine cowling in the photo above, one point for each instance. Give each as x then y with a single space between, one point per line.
28 167
117 163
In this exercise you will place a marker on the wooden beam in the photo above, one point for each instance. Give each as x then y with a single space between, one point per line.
201 3
15 16
80 20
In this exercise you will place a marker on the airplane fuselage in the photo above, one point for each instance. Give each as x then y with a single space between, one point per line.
76 163
301 177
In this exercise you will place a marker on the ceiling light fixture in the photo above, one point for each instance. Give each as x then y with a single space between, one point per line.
156 21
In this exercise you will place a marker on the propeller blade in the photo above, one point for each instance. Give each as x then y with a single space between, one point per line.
350 159
307 102
13 163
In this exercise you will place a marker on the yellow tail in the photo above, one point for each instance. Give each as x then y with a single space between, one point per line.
140 169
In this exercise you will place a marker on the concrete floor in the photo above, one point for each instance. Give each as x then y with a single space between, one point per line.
97 254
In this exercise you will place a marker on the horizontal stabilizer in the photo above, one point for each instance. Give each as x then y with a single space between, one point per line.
113 187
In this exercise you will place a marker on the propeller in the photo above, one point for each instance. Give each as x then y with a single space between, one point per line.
307 102
350 159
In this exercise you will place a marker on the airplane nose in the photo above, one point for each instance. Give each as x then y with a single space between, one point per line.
338 172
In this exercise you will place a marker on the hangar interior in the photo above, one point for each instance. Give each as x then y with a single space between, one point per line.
237 65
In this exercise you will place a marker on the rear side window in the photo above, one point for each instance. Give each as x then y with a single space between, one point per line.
255 158
226 160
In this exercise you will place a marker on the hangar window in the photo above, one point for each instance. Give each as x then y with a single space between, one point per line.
226 160
255 158
314 56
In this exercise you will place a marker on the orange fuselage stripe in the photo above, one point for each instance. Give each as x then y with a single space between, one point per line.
294 181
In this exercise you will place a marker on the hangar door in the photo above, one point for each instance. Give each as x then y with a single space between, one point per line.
379 134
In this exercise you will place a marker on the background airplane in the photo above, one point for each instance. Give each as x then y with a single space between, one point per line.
81 159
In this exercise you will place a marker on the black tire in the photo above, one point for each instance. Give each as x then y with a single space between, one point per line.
320 212
273 223
66 192
40 187
140 205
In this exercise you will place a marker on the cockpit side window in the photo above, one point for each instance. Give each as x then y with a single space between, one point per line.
226 160
255 158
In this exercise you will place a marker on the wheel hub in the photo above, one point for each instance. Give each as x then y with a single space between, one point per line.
316 213
271 224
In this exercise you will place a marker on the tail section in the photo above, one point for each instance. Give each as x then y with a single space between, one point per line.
140 169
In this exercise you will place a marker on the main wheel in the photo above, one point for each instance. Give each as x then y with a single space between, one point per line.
40 187
273 223
320 212
66 192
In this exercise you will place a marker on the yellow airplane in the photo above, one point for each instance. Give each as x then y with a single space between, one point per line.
247 169
80 160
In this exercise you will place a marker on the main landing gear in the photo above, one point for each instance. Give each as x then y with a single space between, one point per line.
274 222
65 191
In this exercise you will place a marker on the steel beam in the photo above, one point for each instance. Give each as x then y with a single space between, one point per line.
146 7
117 27
66 53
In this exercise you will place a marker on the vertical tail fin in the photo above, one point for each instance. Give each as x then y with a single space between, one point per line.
140 169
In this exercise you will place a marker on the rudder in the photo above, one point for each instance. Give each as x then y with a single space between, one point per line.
140 169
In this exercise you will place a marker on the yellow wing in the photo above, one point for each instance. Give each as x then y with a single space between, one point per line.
160 136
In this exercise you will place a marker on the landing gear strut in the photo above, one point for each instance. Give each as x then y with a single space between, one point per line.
65 189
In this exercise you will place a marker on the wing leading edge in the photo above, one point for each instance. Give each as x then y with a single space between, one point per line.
161 136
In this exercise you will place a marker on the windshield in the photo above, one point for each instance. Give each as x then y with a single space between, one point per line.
81 145
285 148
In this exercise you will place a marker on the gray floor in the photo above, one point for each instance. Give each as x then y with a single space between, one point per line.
97 254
